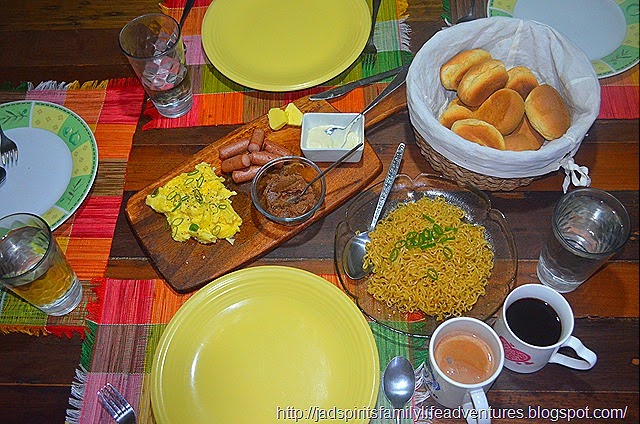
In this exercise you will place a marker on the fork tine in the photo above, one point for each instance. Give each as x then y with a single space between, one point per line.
107 404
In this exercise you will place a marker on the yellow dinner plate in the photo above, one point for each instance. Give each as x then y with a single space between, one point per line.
265 345
284 45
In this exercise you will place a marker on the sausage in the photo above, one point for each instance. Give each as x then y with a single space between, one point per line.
260 158
233 149
244 175
257 138
236 162
276 148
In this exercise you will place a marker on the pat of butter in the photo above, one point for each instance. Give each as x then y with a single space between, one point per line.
294 115
317 138
277 118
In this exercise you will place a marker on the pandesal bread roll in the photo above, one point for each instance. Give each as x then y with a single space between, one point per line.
480 132
455 112
454 69
547 112
504 109
481 81
522 80
525 137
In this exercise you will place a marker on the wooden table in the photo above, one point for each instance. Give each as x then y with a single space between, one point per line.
68 40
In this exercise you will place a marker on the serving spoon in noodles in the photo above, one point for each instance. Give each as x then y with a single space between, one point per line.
356 247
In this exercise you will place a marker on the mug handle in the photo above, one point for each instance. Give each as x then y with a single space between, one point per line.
588 357
479 406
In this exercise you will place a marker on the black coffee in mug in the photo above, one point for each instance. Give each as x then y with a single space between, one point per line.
534 321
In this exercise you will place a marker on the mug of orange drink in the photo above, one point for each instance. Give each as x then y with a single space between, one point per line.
33 266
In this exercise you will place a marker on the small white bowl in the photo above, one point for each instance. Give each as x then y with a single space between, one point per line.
328 153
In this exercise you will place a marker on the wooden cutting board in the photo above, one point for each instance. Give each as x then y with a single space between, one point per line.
189 265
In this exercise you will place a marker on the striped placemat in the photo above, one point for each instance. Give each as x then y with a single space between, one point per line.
111 109
218 100
125 328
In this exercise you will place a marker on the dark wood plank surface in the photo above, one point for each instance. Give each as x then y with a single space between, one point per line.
67 40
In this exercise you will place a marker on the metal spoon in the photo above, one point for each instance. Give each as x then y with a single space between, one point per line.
3 175
399 382
297 197
397 81
356 247
187 8
470 16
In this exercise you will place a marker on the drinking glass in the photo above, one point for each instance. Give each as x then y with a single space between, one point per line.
33 266
588 227
153 45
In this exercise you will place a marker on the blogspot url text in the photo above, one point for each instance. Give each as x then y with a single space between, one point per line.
316 414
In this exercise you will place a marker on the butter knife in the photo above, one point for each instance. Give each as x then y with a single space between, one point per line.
344 89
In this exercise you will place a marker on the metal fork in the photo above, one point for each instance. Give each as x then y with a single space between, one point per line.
8 149
116 405
370 52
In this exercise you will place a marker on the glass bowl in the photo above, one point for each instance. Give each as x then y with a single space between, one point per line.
477 209
280 180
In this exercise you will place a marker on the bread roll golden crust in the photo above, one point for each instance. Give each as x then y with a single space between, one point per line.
522 80
455 112
547 112
480 132
481 81
504 109
525 137
454 69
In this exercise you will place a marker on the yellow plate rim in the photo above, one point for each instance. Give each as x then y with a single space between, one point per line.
255 276
215 55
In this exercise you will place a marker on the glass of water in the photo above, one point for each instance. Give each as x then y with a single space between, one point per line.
154 47
588 227
33 266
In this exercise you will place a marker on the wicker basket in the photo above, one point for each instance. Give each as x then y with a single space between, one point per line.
553 59
451 170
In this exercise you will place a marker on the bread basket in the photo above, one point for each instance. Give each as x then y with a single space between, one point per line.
554 60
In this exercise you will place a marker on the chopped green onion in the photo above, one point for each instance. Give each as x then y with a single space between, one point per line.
400 244
177 221
394 255
154 193
200 181
194 172
193 227
428 218
447 252
222 206
188 181
197 195
432 273
177 206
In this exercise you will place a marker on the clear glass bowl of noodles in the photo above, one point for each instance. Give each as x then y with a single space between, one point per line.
477 210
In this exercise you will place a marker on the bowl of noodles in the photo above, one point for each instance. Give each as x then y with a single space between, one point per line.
438 251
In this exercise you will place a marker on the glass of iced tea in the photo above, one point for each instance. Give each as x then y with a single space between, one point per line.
33 266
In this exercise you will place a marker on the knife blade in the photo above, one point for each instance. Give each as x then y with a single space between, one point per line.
344 89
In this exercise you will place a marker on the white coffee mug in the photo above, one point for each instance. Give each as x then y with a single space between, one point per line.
470 396
524 357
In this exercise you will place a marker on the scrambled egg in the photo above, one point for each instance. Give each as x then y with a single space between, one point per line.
197 205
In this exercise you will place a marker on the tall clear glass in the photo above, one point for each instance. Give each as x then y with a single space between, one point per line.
588 227
154 47
33 266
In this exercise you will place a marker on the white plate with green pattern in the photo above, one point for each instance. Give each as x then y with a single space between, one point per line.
57 163
606 30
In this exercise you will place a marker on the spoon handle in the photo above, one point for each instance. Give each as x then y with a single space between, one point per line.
333 165
393 86
185 12
388 183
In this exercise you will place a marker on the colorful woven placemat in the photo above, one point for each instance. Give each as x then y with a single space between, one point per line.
125 328
218 100
112 110
620 96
